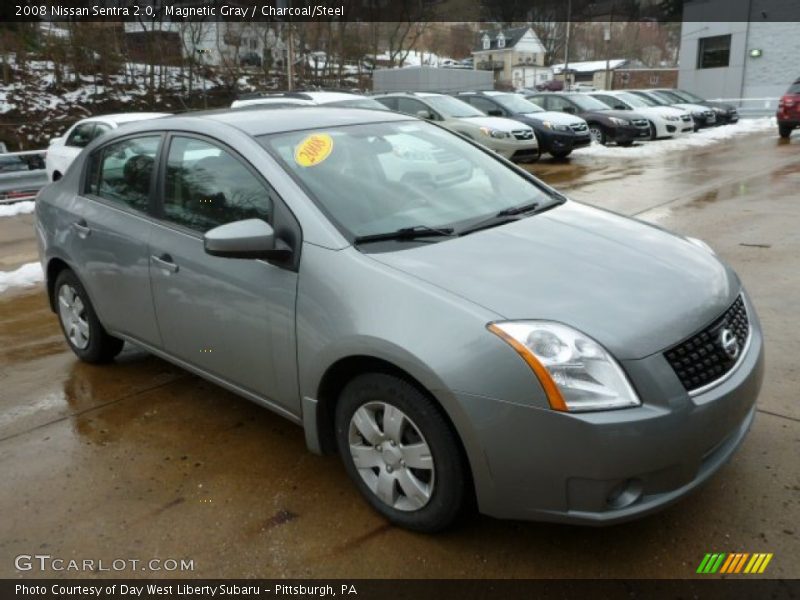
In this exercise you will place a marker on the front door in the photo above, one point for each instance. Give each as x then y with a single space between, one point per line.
231 318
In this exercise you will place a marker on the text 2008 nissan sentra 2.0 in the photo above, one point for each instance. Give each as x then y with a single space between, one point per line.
450 325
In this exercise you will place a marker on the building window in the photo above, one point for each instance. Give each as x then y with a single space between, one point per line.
714 52
486 42
654 80
501 40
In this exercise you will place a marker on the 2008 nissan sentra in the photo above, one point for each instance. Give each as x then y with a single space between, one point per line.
454 328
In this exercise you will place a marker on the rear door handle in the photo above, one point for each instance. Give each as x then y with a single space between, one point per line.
82 229
165 262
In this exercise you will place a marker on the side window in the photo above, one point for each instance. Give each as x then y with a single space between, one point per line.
411 106
206 186
100 129
484 105
390 102
539 101
80 135
608 100
557 103
122 172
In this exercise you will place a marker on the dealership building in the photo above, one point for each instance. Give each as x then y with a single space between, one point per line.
753 57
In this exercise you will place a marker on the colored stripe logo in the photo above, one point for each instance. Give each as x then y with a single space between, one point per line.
735 562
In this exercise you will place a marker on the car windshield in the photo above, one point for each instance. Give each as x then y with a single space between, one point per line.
632 100
586 102
686 96
381 177
662 98
650 100
453 108
670 95
358 103
516 104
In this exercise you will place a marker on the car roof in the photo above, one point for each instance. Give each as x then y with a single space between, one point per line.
263 121
323 96
285 100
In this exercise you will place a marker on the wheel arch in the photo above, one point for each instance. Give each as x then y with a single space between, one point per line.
54 267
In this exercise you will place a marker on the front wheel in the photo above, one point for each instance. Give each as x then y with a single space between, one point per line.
560 155
85 335
400 452
653 131
785 131
598 134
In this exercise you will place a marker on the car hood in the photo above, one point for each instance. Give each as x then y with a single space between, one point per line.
635 288
628 115
693 107
721 105
498 123
557 118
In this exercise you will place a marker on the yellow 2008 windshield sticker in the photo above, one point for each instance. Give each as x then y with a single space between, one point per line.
313 150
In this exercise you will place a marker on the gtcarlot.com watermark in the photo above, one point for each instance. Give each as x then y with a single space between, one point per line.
48 563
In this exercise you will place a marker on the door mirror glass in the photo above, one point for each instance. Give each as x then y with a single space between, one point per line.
250 238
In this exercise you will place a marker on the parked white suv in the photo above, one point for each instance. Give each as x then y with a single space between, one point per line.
665 121
64 149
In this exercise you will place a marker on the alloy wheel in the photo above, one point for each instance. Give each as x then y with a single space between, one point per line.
597 135
74 319
392 456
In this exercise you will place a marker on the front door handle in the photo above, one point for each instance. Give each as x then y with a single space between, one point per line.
165 262
82 229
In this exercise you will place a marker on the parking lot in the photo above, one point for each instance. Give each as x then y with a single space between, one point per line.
143 460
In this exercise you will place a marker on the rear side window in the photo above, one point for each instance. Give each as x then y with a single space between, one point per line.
207 186
80 135
794 88
123 171
539 100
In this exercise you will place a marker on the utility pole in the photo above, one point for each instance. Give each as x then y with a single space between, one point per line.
566 46
607 38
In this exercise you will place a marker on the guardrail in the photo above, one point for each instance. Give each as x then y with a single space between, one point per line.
22 175
752 107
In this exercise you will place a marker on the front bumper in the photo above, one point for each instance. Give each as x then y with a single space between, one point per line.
561 142
612 466
513 149
630 133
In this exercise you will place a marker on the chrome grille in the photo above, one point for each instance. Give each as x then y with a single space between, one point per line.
523 134
701 360
640 123
579 127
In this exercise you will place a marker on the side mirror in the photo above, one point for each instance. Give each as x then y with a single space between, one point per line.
569 109
251 238
495 112
424 114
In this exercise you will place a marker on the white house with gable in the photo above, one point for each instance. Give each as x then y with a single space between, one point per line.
508 52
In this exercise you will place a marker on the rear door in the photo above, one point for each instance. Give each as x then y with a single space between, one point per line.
231 318
108 231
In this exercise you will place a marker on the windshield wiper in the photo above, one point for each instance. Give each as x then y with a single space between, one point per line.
405 233
507 215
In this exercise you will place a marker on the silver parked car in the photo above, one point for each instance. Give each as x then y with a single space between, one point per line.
479 337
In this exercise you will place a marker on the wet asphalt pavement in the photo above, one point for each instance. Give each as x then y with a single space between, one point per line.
141 460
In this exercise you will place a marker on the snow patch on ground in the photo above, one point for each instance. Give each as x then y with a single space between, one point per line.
704 137
18 208
27 275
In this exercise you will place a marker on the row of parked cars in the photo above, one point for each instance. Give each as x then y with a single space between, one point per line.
519 126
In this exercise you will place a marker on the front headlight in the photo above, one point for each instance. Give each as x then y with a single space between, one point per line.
576 372
672 118
698 115
618 121
495 133
554 127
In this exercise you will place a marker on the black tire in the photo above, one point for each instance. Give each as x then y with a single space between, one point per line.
561 155
449 495
653 132
785 130
101 347
598 134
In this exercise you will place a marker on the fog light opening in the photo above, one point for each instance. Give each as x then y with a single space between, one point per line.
625 494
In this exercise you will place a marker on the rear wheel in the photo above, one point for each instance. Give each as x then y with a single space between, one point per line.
785 130
400 452
653 132
598 134
85 335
